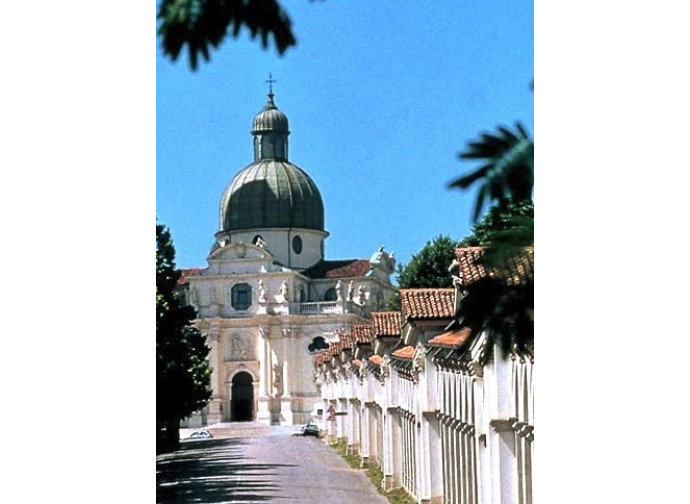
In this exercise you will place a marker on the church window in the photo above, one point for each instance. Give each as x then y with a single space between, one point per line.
330 295
241 296
297 244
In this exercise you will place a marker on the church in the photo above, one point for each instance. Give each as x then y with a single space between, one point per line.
268 299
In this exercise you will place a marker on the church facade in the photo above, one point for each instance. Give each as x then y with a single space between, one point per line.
268 299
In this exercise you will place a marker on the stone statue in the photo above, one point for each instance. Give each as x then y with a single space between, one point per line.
278 378
338 290
262 292
360 295
284 290
350 290
260 243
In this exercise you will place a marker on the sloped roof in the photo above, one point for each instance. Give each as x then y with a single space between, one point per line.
428 303
347 340
452 338
186 273
376 359
322 357
363 333
338 269
387 323
404 352
519 267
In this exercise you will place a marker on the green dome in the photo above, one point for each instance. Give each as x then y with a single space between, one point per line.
271 193
270 119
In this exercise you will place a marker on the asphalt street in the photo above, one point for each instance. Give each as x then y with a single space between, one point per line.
247 462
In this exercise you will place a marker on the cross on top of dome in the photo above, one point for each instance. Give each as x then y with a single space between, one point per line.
270 82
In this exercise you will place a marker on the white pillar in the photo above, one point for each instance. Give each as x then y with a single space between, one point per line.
263 414
214 405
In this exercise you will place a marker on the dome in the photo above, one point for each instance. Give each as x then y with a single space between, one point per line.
270 119
271 193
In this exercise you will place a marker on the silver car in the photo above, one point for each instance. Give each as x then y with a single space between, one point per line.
199 434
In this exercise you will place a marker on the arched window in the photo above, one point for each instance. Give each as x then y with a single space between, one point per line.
330 295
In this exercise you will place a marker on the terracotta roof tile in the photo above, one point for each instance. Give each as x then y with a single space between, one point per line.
428 303
404 353
363 333
347 340
186 273
387 323
334 349
452 338
357 362
520 267
321 357
376 360
338 269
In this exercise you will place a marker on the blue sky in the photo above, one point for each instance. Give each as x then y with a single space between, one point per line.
381 96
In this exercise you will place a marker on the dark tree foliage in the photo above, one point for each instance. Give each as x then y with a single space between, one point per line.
506 228
429 266
506 180
504 311
182 370
508 170
202 24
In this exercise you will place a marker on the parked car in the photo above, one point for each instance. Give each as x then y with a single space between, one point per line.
311 430
199 434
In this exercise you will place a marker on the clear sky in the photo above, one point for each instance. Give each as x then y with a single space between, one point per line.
381 96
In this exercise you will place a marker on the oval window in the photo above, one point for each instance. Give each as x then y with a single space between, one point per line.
297 244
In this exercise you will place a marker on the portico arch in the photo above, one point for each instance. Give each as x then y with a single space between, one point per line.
242 397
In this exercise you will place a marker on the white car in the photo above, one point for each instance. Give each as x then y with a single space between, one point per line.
199 434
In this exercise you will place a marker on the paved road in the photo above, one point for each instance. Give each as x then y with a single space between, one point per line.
251 463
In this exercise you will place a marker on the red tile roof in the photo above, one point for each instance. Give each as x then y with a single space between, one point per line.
519 267
357 362
186 273
387 323
428 303
376 359
334 349
347 340
338 269
404 353
363 333
322 357
452 338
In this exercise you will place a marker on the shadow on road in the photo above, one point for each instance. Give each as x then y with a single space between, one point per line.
212 471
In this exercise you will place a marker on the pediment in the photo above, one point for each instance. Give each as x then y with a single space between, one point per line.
240 252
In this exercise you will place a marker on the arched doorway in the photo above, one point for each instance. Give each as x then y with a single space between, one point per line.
242 400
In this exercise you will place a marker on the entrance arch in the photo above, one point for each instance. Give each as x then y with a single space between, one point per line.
242 398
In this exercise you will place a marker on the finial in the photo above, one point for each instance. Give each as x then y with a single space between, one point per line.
270 82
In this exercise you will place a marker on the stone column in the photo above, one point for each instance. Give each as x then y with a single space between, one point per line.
503 462
263 413
214 415
365 448
286 416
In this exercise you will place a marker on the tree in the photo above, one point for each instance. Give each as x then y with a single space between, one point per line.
429 266
507 227
201 24
508 172
502 303
182 369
